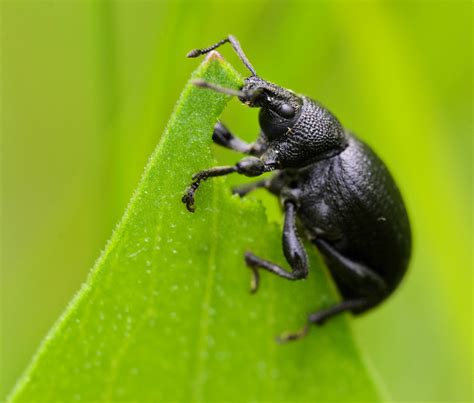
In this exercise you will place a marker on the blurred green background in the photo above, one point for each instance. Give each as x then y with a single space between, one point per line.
86 89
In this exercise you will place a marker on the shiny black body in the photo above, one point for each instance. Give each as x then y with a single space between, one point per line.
351 202
331 185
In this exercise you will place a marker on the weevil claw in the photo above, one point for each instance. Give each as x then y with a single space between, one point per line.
188 199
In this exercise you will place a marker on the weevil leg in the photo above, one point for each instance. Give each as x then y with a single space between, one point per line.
243 190
360 280
350 274
225 138
293 250
319 317
188 197
249 166
274 184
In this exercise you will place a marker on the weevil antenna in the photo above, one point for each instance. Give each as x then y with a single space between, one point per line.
247 95
235 45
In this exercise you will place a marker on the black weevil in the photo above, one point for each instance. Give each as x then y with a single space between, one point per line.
345 199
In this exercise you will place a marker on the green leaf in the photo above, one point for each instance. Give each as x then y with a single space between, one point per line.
166 314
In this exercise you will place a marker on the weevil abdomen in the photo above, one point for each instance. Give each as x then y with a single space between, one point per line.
352 201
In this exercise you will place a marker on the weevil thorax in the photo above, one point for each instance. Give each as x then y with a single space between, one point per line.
298 130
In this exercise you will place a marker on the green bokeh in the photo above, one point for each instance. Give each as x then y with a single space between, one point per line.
86 91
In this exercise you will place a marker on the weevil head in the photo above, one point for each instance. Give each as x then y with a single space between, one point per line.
279 108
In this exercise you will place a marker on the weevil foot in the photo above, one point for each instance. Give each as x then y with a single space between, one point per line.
188 197
286 337
254 281
251 261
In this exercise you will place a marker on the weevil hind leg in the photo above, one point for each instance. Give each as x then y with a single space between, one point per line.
293 250
366 285
361 286
359 279
321 316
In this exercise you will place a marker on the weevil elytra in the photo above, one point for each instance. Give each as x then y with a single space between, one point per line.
331 182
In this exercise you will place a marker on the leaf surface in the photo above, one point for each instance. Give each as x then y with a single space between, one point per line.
166 314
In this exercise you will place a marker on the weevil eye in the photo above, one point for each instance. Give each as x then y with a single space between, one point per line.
286 111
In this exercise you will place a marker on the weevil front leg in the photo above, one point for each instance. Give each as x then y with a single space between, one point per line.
250 166
293 250
225 138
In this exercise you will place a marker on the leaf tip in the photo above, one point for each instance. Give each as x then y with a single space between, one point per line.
213 55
